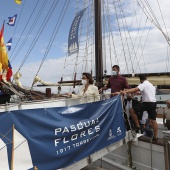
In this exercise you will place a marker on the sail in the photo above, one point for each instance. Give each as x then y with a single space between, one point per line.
4 156
22 156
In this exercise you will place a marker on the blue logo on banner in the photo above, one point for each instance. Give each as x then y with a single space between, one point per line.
57 137
73 45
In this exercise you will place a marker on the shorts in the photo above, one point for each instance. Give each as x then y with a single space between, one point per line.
150 107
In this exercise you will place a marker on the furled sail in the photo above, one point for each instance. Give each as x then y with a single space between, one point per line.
38 79
16 77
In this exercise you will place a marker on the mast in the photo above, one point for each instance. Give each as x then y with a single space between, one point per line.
98 44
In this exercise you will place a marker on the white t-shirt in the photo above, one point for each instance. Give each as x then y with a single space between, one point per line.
147 91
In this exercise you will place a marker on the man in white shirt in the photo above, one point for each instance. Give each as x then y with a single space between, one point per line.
148 103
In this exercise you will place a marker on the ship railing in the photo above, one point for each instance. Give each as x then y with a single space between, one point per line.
60 101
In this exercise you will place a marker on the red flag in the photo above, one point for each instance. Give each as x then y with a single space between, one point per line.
9 72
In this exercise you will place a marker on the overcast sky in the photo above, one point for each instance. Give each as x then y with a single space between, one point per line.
153 58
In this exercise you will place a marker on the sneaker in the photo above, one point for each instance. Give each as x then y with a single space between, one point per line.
137 129
155 139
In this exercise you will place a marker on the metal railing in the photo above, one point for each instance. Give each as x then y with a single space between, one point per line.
166 140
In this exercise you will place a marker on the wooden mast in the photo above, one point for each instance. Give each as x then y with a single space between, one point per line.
98 44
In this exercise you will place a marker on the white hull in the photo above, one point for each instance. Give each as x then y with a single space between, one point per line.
39 104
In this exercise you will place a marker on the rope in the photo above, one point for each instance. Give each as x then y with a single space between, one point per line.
111 34
117 19
104 39
155 22
44 23
12 89
167 59
143 50
54 33
85 41
126 26
30 30
129 143
4 136
17 23
162 18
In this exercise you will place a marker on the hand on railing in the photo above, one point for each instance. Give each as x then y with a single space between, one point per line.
68 95
117 93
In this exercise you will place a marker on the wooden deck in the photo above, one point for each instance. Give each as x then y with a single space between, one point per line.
148 140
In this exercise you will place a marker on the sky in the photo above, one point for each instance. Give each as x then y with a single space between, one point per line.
29 26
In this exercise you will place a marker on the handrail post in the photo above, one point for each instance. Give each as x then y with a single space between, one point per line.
166 140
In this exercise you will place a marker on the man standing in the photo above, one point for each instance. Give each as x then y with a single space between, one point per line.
116 81
167 115
148 103
129 102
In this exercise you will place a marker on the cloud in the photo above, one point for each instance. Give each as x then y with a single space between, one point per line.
150 59
50 71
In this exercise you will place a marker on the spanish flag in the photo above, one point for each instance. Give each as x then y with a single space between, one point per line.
18 1
3 52
9 72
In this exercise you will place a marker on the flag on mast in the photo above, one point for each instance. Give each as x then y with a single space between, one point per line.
3 52
12 20
18 1
9 43
9 72
4 62
73 46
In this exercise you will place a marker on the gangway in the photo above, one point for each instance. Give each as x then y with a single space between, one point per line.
97 155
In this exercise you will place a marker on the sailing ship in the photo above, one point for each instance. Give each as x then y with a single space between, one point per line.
84 53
